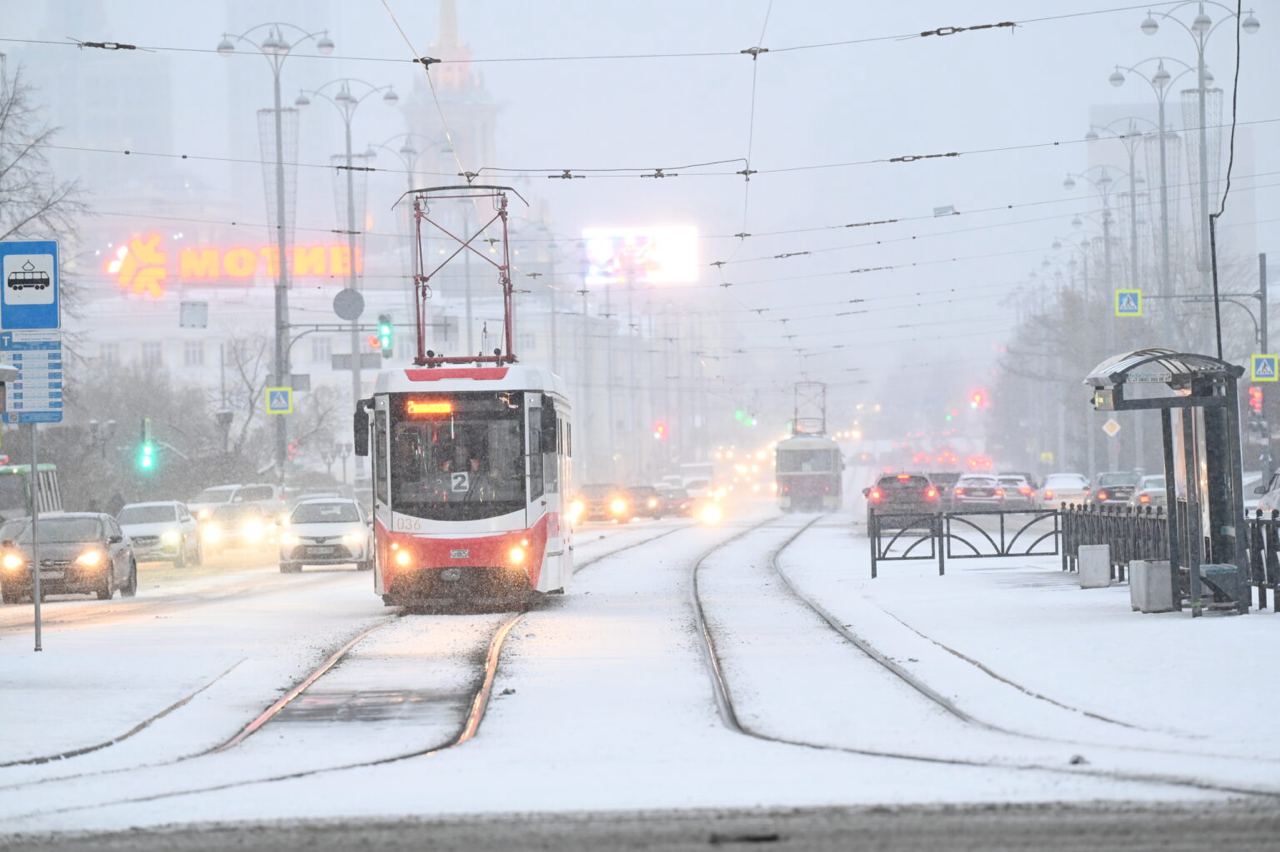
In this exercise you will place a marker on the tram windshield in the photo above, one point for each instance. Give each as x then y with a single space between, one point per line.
805 461
459 461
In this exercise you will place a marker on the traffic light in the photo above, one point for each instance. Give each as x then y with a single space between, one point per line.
660 430
978 399
146 449
1255 399
386 334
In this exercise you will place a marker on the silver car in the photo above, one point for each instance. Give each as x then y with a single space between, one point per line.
326 531
1150 492
162 531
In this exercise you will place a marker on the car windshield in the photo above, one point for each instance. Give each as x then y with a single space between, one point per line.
13 492
1064 481
598 492
251 493
902 482
147 514
976 482
235 512
1012 480
457 459
1153 482
220 494
1114 479
60 530
326 513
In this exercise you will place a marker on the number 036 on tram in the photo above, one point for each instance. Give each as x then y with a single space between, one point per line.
470 468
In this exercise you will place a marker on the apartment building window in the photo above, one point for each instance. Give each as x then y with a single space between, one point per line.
321 349
193 353
152 354
109 353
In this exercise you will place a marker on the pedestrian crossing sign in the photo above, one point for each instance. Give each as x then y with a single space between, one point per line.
279 400
1128 303
1263 368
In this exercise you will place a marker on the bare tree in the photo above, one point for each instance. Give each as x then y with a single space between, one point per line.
248 361
34 204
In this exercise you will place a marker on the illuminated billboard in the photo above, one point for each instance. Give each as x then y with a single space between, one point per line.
645 255
146 264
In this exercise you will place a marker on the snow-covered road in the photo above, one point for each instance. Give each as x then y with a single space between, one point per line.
603 700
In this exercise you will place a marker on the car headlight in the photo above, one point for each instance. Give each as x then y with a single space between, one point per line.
13 561
211 532
652 503
618 506
288 539
170 537
203 514
352 539
576 510
711 514
91 558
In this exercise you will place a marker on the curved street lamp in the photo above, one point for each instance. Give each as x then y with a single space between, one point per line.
275 46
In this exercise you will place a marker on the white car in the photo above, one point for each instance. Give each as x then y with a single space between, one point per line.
162 531
204 503
1062 488
326 531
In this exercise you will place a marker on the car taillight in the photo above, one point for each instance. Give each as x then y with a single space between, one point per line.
931 493
876 496
959 491
1048 494
1025 490
1102 495
999 492
1144 498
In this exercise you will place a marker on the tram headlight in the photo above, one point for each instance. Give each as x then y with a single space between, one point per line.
403 558
516 555
576 510
711 514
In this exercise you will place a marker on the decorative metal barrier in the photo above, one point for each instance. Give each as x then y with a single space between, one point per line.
1131 534
904 536
1264 556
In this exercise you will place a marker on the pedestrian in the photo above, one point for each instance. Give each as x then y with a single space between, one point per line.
115 504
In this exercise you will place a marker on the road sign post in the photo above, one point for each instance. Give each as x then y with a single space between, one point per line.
31 342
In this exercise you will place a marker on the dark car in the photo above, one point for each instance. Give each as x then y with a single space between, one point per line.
1019 492
675 501
944 481
80 552
645 501
603 502
902 494
1115 487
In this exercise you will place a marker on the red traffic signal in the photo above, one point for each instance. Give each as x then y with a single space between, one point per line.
660 430
978 399
1255 399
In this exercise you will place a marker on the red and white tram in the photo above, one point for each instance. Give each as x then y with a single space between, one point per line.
809 471
470 468
470 454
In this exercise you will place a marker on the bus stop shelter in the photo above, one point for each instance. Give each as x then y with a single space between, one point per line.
1202 460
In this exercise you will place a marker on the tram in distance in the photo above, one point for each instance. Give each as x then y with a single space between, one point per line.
470 467
809 471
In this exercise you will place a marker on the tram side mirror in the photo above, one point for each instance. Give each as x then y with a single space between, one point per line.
548 429
360 436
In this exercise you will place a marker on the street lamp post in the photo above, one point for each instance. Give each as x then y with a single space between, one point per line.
346 102
1102 185
275 47
1200 29
1130 138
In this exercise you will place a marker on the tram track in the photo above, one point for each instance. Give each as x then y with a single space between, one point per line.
467 730
731 718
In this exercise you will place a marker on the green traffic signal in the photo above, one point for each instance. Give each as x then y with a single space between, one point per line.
147 457
386 334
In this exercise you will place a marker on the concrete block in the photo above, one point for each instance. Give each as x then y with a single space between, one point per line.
1151 586
1137 583
1095 566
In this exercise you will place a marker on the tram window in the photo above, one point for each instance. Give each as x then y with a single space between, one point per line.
804 461
381 487
535 454
467 465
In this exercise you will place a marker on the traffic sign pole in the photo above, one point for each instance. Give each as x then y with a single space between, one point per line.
31 340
